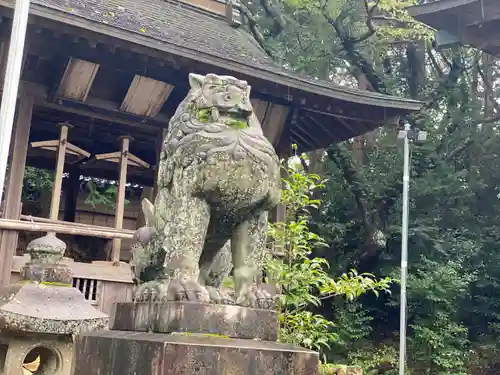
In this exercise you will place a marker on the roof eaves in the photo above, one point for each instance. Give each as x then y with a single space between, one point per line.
284 78
436 6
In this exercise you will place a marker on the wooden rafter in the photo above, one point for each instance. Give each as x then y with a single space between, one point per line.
77 79
146 96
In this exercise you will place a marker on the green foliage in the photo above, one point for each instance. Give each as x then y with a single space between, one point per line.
102 194
373 359
454 283
302 277
36 182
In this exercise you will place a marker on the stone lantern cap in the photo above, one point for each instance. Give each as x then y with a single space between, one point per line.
39 308
45 301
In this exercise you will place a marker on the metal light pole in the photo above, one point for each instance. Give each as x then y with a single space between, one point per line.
407 135
11 83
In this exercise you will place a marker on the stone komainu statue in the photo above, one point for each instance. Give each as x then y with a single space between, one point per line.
218 177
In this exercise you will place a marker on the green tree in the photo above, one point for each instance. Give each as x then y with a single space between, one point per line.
454 273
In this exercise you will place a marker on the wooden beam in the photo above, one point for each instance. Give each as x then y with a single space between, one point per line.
77 79
63 228
12 208
260 108
71 194
274 122
95 107
71 149
115 157
109 116
120 198
146 96
272 118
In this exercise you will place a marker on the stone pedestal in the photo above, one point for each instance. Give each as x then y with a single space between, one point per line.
189 338
40 315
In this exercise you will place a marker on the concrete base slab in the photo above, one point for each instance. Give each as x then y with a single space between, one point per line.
139 353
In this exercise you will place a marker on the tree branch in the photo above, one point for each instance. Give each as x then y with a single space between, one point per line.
254 27
337 155
354 56
368 22
434 62
456 69
488 87
277 17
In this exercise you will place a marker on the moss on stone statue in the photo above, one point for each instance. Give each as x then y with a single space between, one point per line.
237 124
204 115
48 283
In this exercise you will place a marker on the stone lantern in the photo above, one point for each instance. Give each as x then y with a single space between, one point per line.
40 315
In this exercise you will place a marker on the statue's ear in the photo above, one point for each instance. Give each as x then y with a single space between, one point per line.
148 211
196 81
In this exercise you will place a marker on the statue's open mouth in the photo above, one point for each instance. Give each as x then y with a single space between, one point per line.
235 119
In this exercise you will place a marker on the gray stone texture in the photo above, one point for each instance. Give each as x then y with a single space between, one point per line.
38 308
218 177
193 317
56 353
133 353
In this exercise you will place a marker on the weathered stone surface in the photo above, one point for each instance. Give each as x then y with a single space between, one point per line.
40 315
47 249
29 307
47 273
193 317
128 353
218 177
55 352
45 264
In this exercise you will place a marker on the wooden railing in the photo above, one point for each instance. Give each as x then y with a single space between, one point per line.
40 224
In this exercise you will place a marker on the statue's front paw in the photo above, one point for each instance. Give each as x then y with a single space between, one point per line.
220 296
187 289
260 297
154 291
176 289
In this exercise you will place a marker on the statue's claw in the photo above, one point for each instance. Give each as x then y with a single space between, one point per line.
220 296
171 290
187 289
153 291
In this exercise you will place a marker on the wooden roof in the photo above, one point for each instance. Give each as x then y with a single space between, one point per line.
85 59
472 22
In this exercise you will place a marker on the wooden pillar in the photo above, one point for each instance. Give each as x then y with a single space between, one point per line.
120 198
61 157
12 208
71 195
